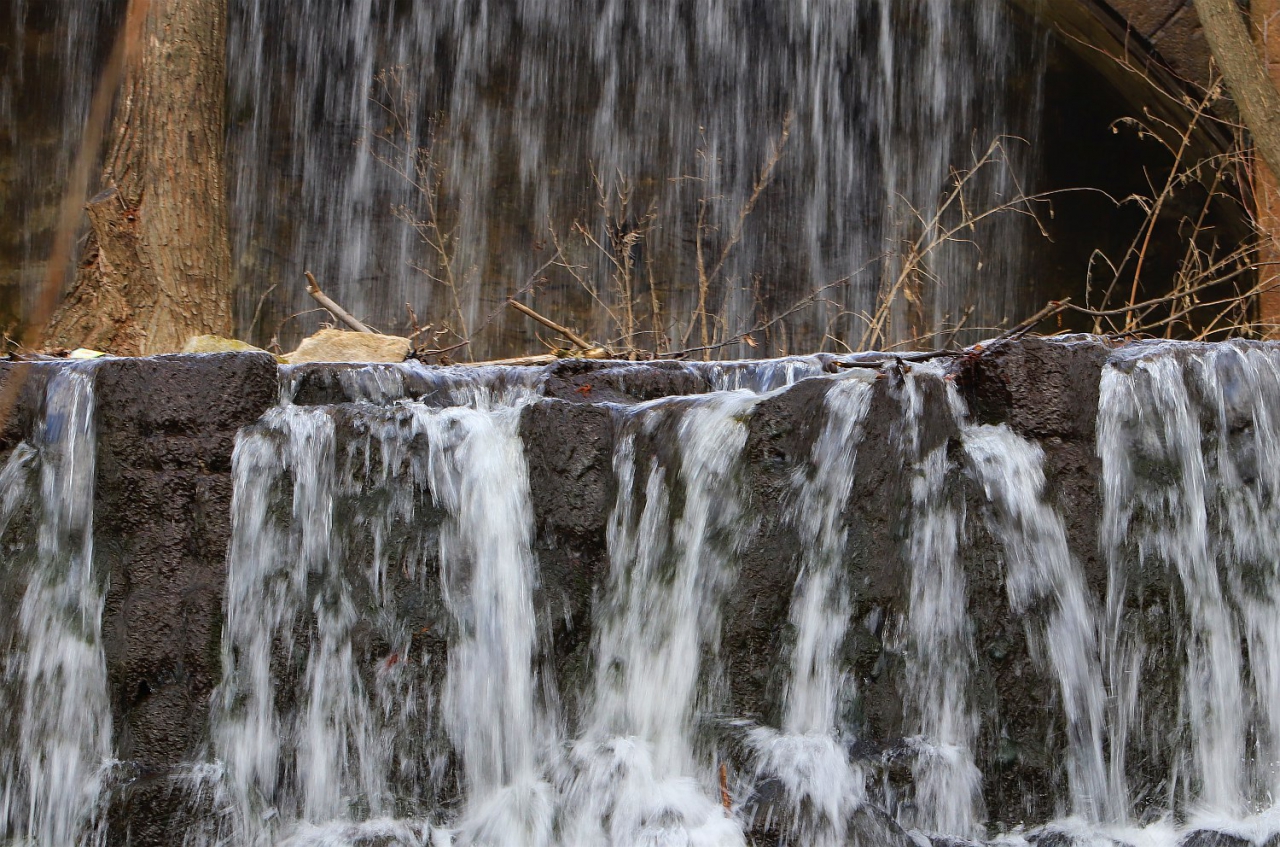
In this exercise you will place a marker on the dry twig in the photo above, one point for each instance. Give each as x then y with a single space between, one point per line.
313 288
573 337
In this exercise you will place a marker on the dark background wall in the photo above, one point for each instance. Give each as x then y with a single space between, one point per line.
1082 89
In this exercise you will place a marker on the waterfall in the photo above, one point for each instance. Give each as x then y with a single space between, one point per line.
808 757
478 476
1187 440
947 782
414 654
525 104
383 467
359 484
57 742
1041 570
636 767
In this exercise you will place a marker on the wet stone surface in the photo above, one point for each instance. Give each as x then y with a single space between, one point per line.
166 432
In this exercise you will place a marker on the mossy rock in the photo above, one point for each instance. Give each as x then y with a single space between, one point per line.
218 344
335 345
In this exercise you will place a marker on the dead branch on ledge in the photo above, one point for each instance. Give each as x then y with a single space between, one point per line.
543 358
577 340
1054 307
313 288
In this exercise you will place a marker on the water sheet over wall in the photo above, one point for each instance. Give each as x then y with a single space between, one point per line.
1026 597
534 109
57 721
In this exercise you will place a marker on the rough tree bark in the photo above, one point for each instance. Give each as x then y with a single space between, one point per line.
1254 90
157 265
1266 29
1245 74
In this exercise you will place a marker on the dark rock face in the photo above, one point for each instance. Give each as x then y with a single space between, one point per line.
1040 388
1046 391
871 827
569 451
756 629
1211 838
167 429
569 448
584 380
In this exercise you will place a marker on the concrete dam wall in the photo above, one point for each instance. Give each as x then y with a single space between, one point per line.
1025 593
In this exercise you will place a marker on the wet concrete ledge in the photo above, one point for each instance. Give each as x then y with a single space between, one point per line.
166 432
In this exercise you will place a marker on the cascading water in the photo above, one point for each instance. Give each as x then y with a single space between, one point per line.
352 740
526 103
488 570
398 656
632 772
809 758
1041 570
392 661
57 740
947 782
1188 445
533 98
636 768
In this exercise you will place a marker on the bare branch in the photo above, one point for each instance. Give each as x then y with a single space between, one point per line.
577 340
313 288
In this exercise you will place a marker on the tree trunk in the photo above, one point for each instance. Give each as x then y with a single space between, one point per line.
1266 191
1254 90
1245 74
157 266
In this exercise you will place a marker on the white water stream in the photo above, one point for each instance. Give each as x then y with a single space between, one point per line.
1040 570
638 777
948 792
57 741
1189 448
809 757
390 675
